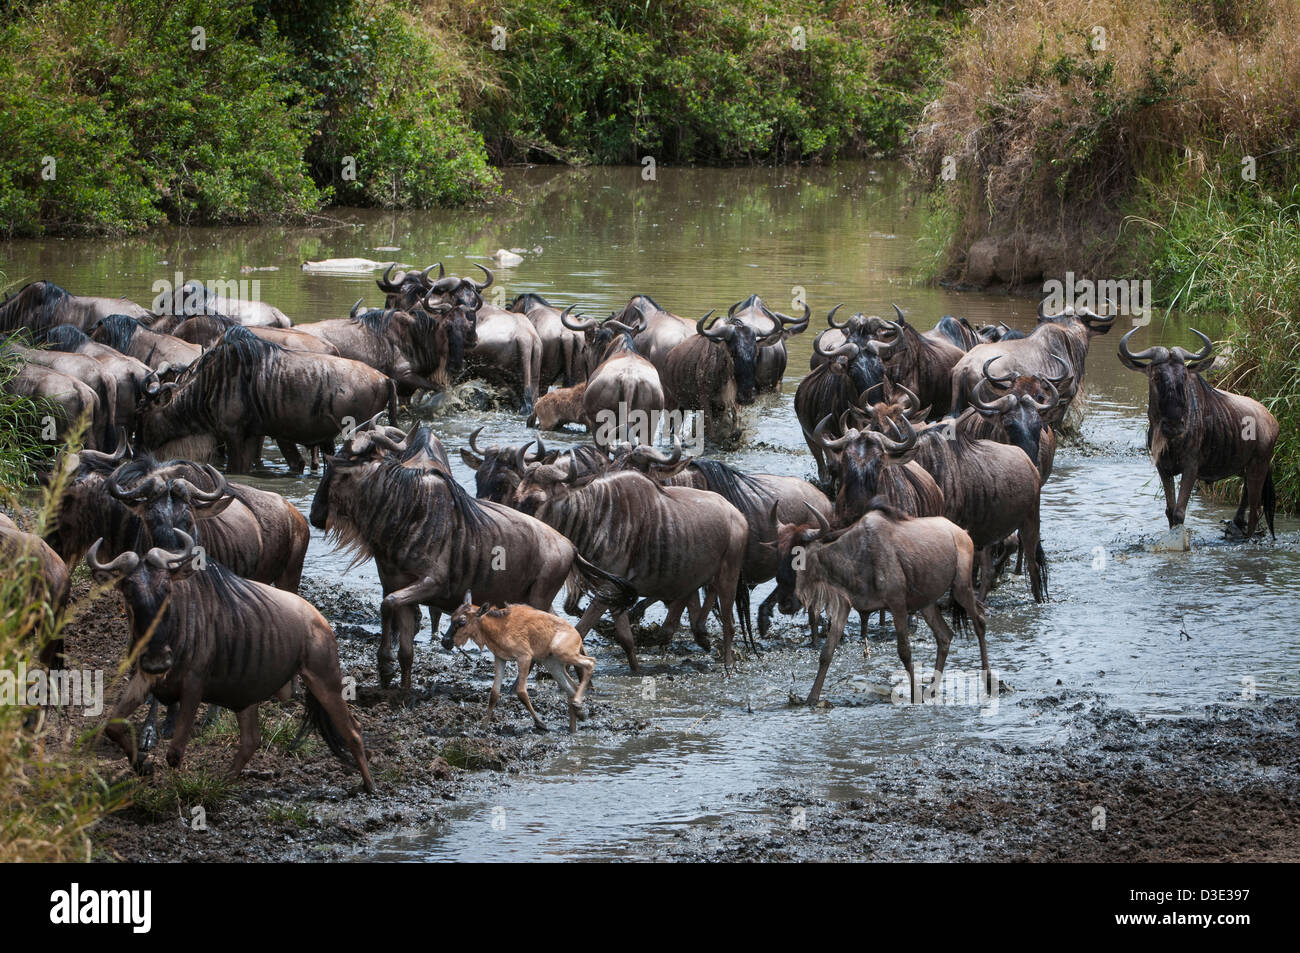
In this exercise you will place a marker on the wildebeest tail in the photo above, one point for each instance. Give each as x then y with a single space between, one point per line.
742 608
1041 559
614 591
960 620
1269 499
316 716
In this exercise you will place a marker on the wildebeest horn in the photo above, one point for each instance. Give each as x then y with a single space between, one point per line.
848 348
791 322
1042 310
998 406
1065 377
208 496
165 559
1053 398
586 325
106 458
1141 359
657 456
713 334
997 380
1194 360
899 312
613 322
163 368
895 448
830 318
385 283
424 275
473 441
819 435
147 489
388 443
353 312
822 525
521 457
490 278
913 402
122 565
444 285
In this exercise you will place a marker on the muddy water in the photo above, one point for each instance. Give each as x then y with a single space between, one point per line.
1155 633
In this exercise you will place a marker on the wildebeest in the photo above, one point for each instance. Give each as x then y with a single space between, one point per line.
921 363
885 560
411 347
1010 410
498 470
193 297
1058 341
160 351
955 331
135 379
65 399
872 466
208 635
463 298
772 359
526 636
665 542
623 387
26 559
245 389
557 408
433 541
712 371
657 331
849 372
205 330
508 353
752 494
561 346
88 371
1203 433
138 502
989 489
41 305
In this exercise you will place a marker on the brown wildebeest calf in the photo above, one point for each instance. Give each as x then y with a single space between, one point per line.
559 407
526 635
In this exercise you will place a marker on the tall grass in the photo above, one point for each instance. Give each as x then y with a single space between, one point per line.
49 799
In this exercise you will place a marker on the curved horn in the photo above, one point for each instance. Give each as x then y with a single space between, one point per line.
385 283
819 435
122 565
895 448
1194 360
1053 398
106 458
914 402
899 311
166 559
473 441
1004 381
658 456
1042 310
353 312
713 334
823 526
803 322
490 278
147 489
830 318
847 349
424 275
1141 359
208 496
998 406
586 325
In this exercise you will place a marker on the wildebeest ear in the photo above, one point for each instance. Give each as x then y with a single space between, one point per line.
471 461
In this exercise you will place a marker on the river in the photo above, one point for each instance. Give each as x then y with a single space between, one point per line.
1156 633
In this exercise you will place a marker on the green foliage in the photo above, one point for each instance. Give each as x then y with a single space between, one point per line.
715 81
141 124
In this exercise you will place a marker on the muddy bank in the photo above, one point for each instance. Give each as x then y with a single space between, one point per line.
425 751
1224 786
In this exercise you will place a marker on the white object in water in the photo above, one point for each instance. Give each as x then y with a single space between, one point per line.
1177 540
346 264
507 259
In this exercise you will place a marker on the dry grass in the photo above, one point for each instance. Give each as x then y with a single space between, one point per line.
1051 135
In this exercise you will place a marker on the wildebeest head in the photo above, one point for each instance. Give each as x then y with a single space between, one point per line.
792 542
167 503
497 470
1076 317
656 464
742 345
463 296
1019 403
146 583
859 362
860 456
406 289
605 337
1167 370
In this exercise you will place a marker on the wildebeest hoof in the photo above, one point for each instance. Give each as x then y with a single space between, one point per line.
702 640
539 727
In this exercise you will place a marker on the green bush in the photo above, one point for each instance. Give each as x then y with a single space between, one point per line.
141 124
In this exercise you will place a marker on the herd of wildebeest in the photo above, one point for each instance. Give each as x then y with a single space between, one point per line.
931 448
